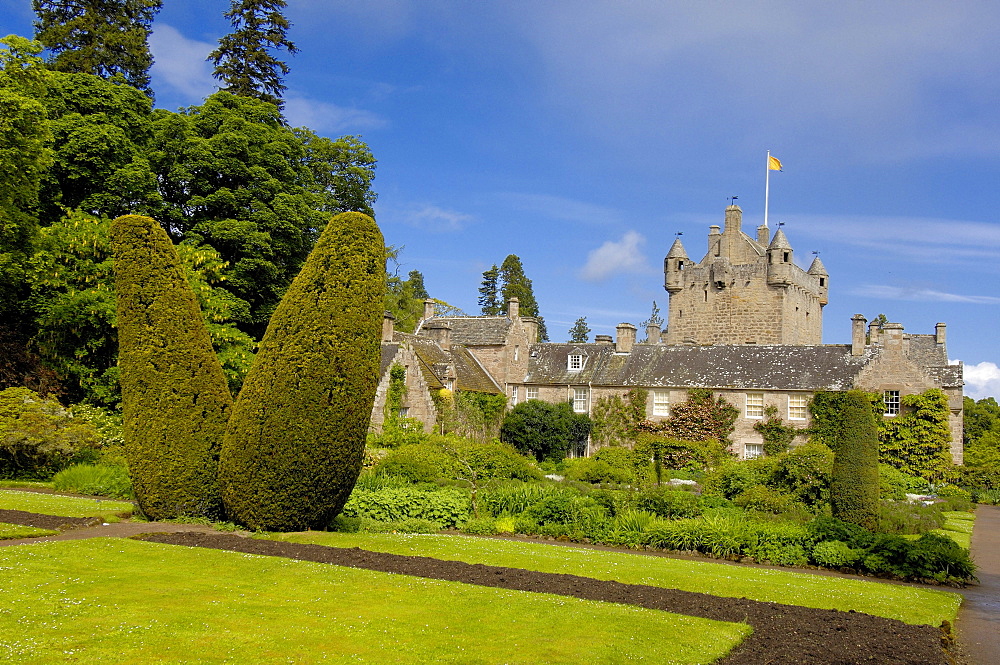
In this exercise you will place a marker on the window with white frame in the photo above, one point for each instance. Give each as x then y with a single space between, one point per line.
752 450
891 402
531 393
661 403
580 400
575 362
798 407
755 405
513 395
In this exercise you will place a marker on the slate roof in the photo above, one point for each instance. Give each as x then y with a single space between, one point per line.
475 330
438 364
826 367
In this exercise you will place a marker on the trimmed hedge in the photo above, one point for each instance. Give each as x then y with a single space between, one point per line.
175 399
854 485
295 442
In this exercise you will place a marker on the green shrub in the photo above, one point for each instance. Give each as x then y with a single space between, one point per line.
407 525
343 524
763 499
418 463
735 476
593 470
825 527
668 503
39 437
96 480
805 472
175 398
485 461
902 517
547 431
987 497
894 485
560 508
482 526
939 558
295 442
854 484
515 498
834 554
447 507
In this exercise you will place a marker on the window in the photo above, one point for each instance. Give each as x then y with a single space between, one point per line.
449 384
755 405
580 400
517 353
513 395
403 411
530 393
891 402
575 362
661 403
798 407
752 450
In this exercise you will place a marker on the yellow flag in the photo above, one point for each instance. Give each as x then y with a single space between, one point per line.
773 164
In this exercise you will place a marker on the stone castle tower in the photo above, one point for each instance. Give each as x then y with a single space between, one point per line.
744 291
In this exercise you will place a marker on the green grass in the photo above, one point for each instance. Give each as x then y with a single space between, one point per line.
124 601
13 531
41 484
913 605
65 506
958 526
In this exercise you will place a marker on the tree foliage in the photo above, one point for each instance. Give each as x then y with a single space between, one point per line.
489 292
547 431
175 400
701 417
580 332
100 37
917 440
854 484
243 61
38 437
777 436
294 445
514 283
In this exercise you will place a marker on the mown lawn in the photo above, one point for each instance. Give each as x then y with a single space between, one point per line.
65 506
910 604
123 601
14 531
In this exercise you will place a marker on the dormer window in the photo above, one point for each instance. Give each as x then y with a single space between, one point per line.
575 362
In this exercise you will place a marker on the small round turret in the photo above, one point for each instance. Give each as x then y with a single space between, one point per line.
779 260
818 270
673 267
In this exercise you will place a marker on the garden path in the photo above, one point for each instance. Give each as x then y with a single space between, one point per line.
978 623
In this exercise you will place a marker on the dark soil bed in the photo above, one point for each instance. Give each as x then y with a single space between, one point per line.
46 521
782 633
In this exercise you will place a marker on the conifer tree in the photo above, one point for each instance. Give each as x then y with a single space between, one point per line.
100 37
175 400
854 486
416 279
488 293
243 61
580 332
515 284
294 444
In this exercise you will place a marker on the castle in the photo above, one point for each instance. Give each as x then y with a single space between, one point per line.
745 321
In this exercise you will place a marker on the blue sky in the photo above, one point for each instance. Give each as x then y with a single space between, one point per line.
582 136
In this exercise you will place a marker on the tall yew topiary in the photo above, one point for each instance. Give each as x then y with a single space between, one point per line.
175 400
854 484
295 442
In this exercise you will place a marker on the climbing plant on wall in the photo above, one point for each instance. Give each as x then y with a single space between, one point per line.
917 440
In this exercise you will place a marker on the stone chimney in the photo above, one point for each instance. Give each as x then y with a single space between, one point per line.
893 338
858 322
874 334
626 337
388 326
604 339
428 309
530 324
440 332
513 309
939 333
714 239
763 235
652 333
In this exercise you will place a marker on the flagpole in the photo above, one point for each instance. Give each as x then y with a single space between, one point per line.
767 184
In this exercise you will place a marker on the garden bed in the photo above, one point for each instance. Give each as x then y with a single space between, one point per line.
782 633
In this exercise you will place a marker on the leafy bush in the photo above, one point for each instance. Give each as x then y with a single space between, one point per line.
736 477
547 431
418 463
473 461
560 508
96 480
447 507
175 396
894 485
805 472
515 498
668 503
481 526
763 499
902 517
834 554
39 437
294 445
609 465
940 558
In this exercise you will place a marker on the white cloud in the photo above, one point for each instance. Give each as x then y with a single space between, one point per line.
181 62
324 117
920 295
982 380
623 256
427 217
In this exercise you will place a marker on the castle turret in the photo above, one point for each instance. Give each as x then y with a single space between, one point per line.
673 265
818 271
779 260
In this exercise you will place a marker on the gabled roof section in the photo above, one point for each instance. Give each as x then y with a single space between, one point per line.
476 330
438 365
